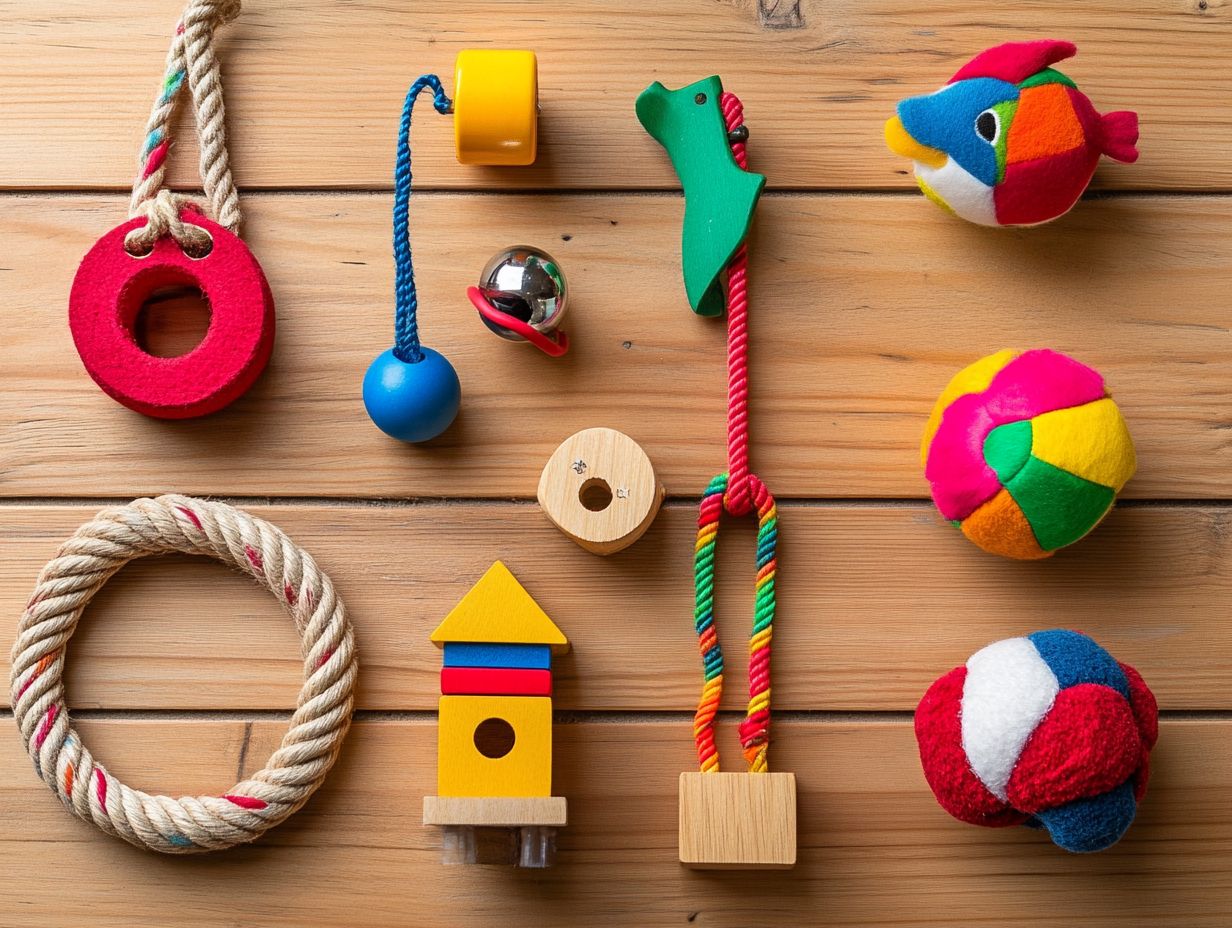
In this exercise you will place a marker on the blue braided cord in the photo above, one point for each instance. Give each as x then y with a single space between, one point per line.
406 301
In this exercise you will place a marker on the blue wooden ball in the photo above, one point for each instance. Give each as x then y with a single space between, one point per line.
412 402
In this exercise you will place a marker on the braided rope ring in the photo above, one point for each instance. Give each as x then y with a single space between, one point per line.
83 564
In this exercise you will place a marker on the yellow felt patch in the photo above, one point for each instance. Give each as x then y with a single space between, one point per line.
1091 441
498 610
463 770
1044 124
974 378
901 142
1000 527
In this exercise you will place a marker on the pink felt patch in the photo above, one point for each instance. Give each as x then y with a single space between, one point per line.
109 290
1016 61
938 730
1034 383
1086 745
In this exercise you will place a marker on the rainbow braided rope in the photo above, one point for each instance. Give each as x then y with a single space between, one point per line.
755 729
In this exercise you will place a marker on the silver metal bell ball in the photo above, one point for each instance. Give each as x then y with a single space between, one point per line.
525 283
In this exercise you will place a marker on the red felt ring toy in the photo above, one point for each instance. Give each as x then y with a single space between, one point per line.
112 285
554 344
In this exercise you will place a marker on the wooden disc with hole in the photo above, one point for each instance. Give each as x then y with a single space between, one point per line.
600 489
109 291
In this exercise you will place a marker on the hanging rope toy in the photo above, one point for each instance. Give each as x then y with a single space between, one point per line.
411 392
168 242
729 820
66 585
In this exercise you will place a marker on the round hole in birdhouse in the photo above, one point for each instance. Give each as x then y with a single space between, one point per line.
494 738
595 494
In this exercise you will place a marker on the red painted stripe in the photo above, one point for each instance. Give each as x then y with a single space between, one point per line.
246 802
495 681
45 729
100 787
192 516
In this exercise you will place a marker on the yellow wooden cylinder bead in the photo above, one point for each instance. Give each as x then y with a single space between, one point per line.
495 103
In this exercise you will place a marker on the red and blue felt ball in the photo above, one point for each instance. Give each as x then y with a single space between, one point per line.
1048 731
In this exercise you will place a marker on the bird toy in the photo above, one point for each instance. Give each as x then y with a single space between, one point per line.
1047 731
726 819
84 563
1026 452
411 392
1009 141
169 242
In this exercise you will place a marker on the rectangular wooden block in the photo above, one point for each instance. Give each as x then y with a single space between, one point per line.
477 654
494 746
738 821
495 811
495 681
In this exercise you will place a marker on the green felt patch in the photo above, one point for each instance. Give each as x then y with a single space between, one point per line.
1005 111
1060 506
1007 448
1047 76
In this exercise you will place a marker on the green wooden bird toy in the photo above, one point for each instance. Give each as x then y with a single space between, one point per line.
719 196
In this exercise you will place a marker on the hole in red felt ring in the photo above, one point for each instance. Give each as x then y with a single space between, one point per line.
172 321
197 252
595 494
494 738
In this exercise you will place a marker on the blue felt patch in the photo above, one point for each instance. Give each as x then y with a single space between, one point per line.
517 656
1087 825
1075 658
946 120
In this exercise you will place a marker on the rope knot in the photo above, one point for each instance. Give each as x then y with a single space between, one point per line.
216 12
164 216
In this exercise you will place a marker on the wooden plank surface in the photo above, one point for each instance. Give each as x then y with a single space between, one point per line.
863 309
855 631
874 847
866 299
314 88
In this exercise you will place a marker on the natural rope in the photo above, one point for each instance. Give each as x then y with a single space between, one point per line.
406 298
323 712
739 491
190 60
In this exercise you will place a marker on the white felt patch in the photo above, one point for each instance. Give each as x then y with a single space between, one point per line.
1008 691
961 192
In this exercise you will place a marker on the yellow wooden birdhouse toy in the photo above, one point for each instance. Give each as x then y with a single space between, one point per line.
494 738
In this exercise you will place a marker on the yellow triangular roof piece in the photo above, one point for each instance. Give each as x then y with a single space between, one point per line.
498 610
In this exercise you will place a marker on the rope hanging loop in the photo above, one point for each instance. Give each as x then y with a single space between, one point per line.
191 62
84 563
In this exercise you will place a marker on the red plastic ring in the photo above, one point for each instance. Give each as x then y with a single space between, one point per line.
112 285
555 344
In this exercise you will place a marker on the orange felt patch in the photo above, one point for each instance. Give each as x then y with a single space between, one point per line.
1000 527
1044 124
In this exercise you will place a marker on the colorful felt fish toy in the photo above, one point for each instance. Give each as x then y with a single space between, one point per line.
1009 141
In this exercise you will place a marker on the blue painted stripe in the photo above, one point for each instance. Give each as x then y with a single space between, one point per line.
518 656
1074 658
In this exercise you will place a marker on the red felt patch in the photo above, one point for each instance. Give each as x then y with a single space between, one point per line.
1142 701
109 290
1016 61
1086 745
1043 189
939 733
495 681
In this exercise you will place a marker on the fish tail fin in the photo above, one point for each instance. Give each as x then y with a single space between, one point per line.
1120 136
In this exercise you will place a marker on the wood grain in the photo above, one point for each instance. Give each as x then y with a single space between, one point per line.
875 849
314 87
862 309
875 603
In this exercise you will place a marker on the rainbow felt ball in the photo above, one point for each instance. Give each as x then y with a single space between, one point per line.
1047 731
1026 452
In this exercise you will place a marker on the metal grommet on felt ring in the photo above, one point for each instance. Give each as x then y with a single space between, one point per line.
600 489
496 106
84 563
110 289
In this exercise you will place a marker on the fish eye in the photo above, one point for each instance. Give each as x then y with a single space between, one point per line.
988 125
